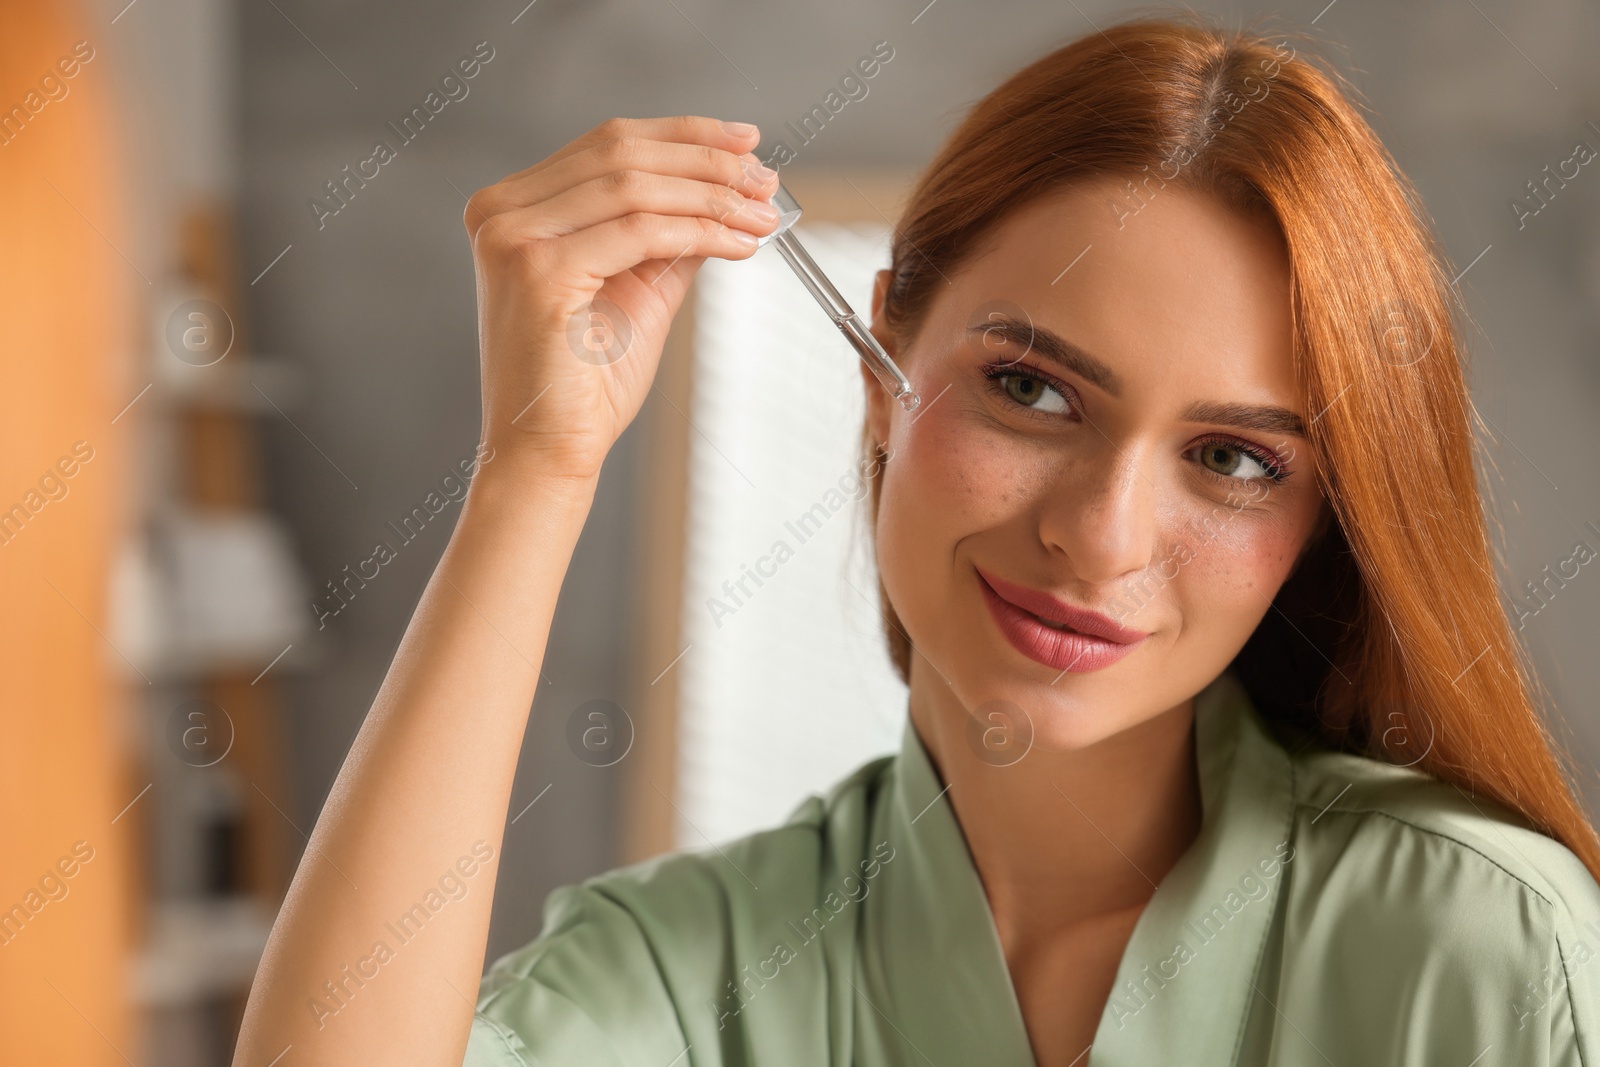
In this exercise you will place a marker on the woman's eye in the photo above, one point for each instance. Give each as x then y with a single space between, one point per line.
1034 393
1232 461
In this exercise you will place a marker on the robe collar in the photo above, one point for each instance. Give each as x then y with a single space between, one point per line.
934 972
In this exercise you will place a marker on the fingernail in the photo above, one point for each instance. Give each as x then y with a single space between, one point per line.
738 129
745 238
762 210
758 174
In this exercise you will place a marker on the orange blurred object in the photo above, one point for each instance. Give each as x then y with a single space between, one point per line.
67 330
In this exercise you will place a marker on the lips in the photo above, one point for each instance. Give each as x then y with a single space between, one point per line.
1051 631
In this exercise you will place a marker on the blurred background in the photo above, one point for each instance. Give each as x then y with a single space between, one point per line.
239 328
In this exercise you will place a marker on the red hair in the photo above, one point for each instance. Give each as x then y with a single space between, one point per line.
1390 638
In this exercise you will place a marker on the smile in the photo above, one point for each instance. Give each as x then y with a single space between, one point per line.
1051 641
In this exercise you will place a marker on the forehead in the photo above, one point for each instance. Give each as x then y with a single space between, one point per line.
1183 283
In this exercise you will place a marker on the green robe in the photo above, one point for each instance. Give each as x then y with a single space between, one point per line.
1334 910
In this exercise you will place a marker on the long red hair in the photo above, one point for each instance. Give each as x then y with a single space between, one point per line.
1390 639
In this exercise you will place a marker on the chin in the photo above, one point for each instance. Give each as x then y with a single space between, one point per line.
1075 731
1013 715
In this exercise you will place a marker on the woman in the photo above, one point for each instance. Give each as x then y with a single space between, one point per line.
1219 747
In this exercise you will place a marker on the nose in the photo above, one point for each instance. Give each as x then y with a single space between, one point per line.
1100 514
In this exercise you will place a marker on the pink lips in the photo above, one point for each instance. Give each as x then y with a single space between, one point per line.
1093 640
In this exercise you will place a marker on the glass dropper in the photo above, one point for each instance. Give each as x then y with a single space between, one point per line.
843 316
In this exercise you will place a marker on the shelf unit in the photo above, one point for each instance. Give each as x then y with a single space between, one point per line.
210 607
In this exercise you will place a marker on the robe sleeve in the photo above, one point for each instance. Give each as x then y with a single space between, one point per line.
588 990
1567 988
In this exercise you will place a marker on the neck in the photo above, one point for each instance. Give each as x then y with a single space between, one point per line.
1063 837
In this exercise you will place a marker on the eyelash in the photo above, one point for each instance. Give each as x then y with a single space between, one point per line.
1276 471
995 372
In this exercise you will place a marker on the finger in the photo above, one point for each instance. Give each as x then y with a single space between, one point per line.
611 247
742 173
624 192
674 129
698 162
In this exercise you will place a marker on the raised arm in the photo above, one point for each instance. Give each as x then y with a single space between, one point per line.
581 260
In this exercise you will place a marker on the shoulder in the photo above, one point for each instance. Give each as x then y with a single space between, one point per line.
624 955
1466 843
1403 881
694 890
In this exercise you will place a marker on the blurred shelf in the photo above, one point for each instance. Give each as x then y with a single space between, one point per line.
203 592
187 665
237 382
199 949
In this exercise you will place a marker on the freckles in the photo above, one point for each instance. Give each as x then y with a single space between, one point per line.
953 465
986 481
1262 555
1246 555
964 476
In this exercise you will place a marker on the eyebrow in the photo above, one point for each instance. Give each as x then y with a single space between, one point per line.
1263 417
1052 346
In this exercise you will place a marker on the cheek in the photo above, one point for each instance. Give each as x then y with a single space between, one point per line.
1238 561
945 482
949 478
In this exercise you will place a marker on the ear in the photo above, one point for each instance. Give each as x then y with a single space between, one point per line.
878 399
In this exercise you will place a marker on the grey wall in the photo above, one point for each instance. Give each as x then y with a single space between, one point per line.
378 304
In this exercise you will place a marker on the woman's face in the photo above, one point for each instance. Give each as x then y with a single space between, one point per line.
1109 418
